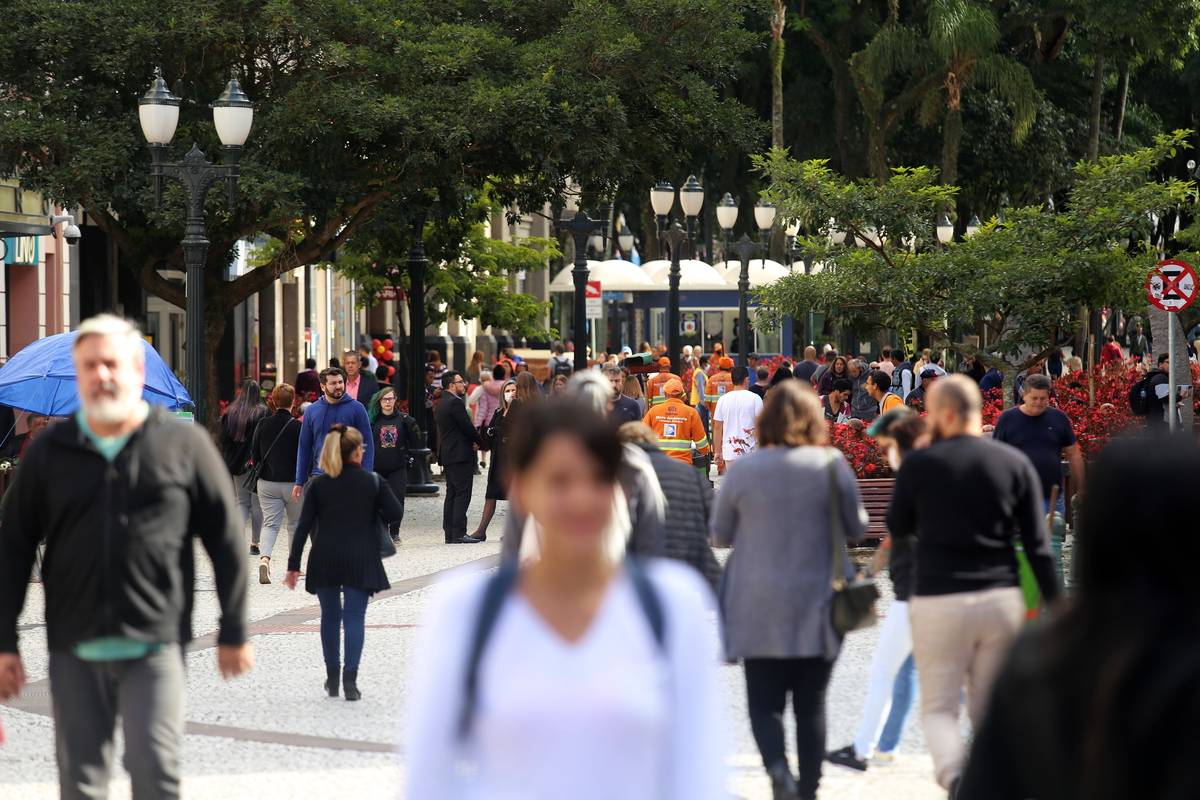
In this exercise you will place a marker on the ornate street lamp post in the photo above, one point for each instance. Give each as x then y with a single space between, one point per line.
581 227
745 249
233 114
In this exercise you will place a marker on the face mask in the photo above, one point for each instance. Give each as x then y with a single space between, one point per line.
893 457
508 396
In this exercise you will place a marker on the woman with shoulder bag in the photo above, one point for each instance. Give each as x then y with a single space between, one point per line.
274 454
777 592
495 434
348 504
487 401
236 438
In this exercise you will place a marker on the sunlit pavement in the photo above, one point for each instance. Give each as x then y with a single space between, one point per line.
274 734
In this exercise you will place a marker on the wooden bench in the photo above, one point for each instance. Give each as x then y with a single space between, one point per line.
876 494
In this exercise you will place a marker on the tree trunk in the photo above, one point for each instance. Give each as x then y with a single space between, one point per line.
1093 151
877 152
1122 100
778 18
215 315
951 142
848 143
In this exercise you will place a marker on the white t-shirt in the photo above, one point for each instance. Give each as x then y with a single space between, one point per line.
738 412
609 716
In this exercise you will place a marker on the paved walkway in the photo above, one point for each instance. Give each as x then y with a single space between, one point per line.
273 733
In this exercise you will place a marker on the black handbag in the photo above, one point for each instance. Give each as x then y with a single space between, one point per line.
250 482
853 606
387 548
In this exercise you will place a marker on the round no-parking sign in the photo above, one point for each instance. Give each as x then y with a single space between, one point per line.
1171 285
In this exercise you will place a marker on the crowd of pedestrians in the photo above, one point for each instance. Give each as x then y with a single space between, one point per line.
585 666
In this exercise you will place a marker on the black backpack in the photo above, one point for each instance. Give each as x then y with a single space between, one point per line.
499 586
1141 393
562 367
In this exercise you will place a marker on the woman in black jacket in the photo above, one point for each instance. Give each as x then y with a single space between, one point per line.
496 436
347 503
235 437
276 442
395 433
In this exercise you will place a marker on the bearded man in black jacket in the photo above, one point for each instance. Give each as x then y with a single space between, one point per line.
118 492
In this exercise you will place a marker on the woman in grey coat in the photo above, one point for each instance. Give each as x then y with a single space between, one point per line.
776 591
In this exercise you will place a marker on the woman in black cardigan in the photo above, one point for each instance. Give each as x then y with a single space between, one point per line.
348 504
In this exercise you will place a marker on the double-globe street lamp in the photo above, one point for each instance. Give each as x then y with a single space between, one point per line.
764 218
691 200
233 114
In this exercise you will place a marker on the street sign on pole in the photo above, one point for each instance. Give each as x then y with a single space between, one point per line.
1171 286
595 300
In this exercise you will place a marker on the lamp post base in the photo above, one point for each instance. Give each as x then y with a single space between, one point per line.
420 476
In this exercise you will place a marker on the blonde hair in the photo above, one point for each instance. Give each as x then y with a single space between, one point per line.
633 387
340 444
792 416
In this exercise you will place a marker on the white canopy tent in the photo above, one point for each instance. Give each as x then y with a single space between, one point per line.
762 272
693 275
615 275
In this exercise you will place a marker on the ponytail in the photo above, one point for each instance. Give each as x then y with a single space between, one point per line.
340 444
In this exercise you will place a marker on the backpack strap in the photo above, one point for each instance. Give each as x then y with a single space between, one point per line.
649 600
500 585
494 594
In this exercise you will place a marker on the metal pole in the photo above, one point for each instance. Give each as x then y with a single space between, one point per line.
581 227
745 251
420 478
1171 372
676 238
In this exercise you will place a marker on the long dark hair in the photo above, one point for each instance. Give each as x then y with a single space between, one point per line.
1123 656
246 408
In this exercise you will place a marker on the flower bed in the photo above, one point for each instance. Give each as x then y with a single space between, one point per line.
1094 424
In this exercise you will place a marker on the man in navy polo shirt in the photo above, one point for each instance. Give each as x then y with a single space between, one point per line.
1043 434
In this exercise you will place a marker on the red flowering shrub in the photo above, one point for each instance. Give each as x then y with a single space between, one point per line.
993 406
860 450
1096 423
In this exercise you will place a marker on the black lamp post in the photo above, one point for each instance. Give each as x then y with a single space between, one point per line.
233 114
745 249
420 480
581 227
675 237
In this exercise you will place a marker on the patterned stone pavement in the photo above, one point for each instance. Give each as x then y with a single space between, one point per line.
273 733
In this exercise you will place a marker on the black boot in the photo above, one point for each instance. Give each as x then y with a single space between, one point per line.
350 684
783 785
331 680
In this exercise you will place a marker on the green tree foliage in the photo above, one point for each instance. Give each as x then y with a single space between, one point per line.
1018 281
359 103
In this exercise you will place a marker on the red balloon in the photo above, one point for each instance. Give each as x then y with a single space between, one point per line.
391 372
389 356
375 343
388 343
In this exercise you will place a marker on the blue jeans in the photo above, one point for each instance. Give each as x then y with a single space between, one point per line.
334 617
904 692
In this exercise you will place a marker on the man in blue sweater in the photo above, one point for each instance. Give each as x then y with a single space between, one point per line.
332 407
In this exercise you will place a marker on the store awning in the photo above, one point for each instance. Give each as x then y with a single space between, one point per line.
693 275
615 275
762 272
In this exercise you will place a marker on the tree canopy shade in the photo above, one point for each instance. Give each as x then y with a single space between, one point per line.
1018 280
359 103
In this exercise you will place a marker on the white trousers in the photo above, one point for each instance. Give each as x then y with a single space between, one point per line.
892 649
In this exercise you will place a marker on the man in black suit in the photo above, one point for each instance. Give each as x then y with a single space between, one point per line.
457 439
360 384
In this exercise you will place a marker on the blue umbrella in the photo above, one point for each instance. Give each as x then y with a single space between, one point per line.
41 379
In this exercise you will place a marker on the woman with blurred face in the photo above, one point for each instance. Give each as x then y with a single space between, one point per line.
594 678
496 433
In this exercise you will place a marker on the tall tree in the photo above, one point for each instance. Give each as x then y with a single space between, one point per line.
359 103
